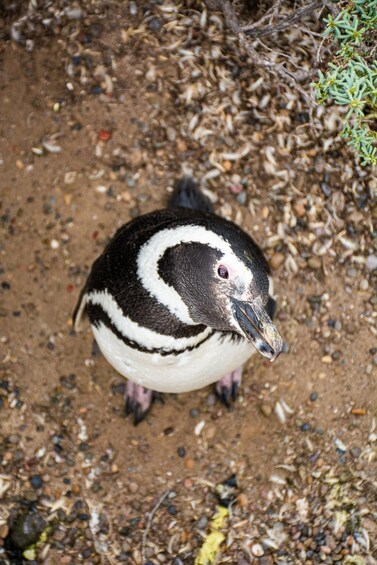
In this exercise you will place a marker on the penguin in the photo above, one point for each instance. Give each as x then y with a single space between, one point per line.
179 299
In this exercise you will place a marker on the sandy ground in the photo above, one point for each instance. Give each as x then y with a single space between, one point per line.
77 161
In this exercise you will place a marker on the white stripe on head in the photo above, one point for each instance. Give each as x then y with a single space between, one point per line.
152 251
133 331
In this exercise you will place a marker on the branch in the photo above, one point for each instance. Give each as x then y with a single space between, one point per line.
283 23
231 21
149 523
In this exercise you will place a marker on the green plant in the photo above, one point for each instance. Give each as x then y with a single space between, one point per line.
351 78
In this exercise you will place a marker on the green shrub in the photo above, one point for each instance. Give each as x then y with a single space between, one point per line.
351 78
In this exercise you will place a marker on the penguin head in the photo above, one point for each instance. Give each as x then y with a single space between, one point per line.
212 273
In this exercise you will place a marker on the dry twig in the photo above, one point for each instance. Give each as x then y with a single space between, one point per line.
293 78
149 523
283 23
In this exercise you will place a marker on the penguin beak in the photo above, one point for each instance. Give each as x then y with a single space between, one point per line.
258 328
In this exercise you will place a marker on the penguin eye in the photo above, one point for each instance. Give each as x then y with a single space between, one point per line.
223 272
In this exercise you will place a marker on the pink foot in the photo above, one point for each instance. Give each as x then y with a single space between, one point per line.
227 387
138 401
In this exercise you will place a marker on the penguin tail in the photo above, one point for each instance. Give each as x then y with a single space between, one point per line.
187 194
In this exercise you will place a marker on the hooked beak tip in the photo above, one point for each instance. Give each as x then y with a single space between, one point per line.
259 329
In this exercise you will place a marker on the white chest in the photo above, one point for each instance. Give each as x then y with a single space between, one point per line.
183 372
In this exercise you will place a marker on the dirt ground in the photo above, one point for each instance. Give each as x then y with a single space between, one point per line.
99 116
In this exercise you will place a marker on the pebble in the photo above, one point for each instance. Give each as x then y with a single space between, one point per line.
133 487
326 359
36 482
257 550
189 463
314 263
4 530
277 260
154 24
371 263
355 452
243 500
201 524
313 397
266 410
241 198
363 285
181 452
299 208
211 399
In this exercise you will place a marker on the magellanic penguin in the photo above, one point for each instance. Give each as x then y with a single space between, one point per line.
180 298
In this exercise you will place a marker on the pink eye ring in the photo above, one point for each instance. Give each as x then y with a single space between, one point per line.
223 272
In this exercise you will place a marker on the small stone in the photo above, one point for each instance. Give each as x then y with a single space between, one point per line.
314 263
313 397
181 146
241 198
277 260
202 523
4 530
154 24
133 8
351 273
181 452
299 208
36 482
243 500
326 359
172 510
266 410
211 399
371 263
355 452
257 550
189 463
133 488
170 134
363 285
305 427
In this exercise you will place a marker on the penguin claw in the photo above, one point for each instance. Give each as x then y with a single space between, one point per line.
227 388
138 402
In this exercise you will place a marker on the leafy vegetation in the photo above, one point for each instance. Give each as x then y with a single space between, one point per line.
351 78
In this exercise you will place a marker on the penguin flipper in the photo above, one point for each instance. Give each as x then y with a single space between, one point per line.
188 195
